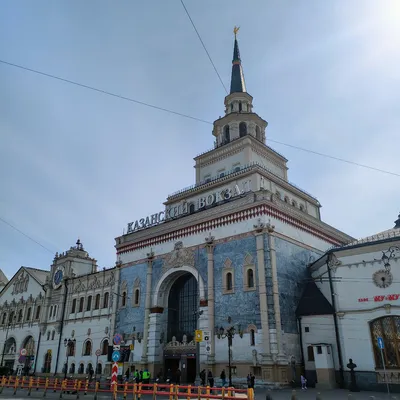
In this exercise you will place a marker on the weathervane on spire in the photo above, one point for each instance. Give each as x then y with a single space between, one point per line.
236 30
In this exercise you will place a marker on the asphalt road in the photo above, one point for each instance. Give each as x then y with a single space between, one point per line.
260 394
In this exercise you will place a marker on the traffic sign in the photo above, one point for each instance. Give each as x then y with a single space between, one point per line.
117 347
115 356
131 347
206 336
98 352
199 336
208 348
23 352
117 339
381 345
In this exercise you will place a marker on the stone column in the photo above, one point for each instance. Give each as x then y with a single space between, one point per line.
275 290
259 234
115 300
210 295
150 258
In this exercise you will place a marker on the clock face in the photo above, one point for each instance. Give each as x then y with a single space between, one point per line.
382 278
58 277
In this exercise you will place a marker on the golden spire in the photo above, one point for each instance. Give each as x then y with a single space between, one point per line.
236 30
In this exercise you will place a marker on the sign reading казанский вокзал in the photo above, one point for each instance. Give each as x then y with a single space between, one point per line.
184 208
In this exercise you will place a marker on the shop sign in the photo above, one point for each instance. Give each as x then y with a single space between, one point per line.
376 299
182 209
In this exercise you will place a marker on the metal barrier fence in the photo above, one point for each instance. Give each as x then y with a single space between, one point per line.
128 390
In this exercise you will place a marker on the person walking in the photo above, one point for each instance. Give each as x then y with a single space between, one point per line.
303 382
210 379
223 378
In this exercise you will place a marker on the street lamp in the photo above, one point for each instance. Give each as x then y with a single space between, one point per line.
229 333
70 346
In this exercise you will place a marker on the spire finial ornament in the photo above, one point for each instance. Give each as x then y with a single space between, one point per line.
397 222
236 30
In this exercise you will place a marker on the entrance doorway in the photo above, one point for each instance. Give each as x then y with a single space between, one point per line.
183 302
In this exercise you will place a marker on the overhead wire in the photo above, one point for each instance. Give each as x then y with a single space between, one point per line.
190 117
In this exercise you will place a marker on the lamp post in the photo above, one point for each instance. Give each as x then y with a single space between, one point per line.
70 346
229 333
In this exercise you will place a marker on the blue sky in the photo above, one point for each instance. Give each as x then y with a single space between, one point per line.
74 162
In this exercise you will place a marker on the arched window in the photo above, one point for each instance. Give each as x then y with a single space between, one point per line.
104 347
99 369
97 302
20 316
191 208
48 335
47 362
54 311
236 169
294 204
87 348
301 207
229 281
310 353
71 348
81 302
12 317
258 133
232 107
73 309
72 368
29 314
242 129
250 278
252 337
286 199
51 312
81 368
227 135
4 318
89 303
137 297
53 334
89 368
105 301
123 299
37 316
388 328
240 106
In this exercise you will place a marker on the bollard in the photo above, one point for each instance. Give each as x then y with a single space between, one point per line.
79 389
269 395
3 382
171 391
125 390
189 392
140 390
154 391
198 393
134 391
318 397
115 389
16 385
294 396
350 396
46 385
30 386
86 387
96 389
37 383
62 388
55 385
176 393
22 382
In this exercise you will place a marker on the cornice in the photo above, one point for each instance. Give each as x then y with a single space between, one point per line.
237 210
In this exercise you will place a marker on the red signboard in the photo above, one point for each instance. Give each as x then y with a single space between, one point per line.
388 297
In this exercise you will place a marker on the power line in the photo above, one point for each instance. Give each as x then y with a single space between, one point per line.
191 117
22 233
204 47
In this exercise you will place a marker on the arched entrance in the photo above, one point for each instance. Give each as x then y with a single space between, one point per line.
28 360
181 315
10 349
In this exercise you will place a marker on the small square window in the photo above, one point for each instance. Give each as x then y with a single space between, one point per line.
307 329
319 349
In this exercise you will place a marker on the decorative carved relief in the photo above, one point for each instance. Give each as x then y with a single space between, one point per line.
179 257
95 283
21 283
124 285
111 280
136 284
228 263
80 287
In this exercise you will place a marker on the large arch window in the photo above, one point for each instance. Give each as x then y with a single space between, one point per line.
104 347
97 302
28 314
87 348
388 328
37 316
242 129
89 303
227 135
123 299
73 310
229 281
81 302
258 133
105 301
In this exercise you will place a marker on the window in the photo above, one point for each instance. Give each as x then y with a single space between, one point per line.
20 316
72 368
252 337
240 106
81 302
278 195
229 281
207 179
319 349
4 318
97 302
294 204
29 314
48 335
258 133
286 199
51 312
87 348
242 129
227 135
81 368
73 309
54 311
310 353
137 297
388 328
301 207
37 316
89 303
12 317
99 369
306 329
104 347
236 169
191 208
123 299
105 301
89 368
53 334
250 278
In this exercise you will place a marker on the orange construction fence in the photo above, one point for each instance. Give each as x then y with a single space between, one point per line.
129 390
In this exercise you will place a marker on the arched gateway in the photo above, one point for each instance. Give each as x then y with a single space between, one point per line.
179 292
